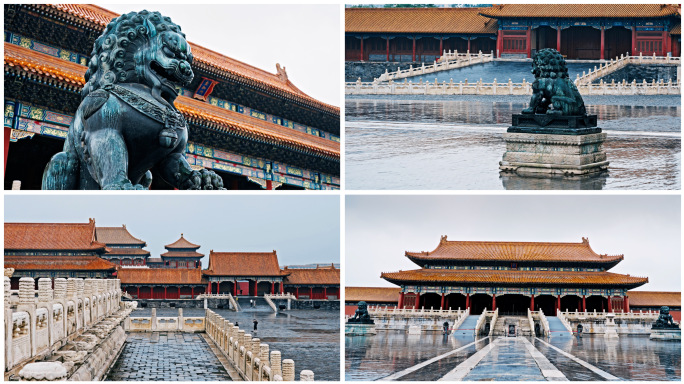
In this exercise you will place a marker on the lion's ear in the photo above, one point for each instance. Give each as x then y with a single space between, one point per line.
150 27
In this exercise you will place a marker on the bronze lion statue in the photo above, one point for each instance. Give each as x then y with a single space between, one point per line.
127 126
553 92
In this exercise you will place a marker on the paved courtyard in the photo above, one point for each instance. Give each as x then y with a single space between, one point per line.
161 356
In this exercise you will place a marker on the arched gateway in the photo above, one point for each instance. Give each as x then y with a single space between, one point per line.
514 276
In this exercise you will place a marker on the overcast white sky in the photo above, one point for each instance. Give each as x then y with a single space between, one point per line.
305 39
302 229
646 229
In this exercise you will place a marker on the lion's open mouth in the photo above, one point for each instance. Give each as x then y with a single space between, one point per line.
168 79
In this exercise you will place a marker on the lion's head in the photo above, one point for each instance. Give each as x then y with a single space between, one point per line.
141 47
549 63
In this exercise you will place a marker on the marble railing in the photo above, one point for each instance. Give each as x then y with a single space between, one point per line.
505 88
446 62
626 322
76 326
620 62
248 356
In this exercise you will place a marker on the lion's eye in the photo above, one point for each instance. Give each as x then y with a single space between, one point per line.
168 52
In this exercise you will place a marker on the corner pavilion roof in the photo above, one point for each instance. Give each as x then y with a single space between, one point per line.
52 236
488 251
328 275
418 20
117 235
213 60
181 243
138 276
372 294
71 75
654 299
580 10
243 264
513 278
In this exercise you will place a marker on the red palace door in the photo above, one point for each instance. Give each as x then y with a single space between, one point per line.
514 42
648 43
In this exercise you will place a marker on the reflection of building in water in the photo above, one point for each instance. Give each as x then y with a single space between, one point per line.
578 31
254 128
83 250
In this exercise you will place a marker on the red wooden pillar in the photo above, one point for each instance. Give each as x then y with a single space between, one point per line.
401 300
532 303
441 305
165 297
417 304
209 288
558 38
666 43
297 292
610 304
361 52
218 284
388 48
178 297
8 133
634 50
467 300
446 303
138 292
499 43
310 292
528 43
192 292
469 44
235 288
603 43
281 288
272 287
269 185
414 49
626 305
441 47
558 304
325 293
493 302
584 303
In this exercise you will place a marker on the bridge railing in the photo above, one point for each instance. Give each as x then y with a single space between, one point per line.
619 62
544 322
447 62
250 358
563 320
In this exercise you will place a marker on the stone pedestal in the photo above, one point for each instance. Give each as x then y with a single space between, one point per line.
547 145
666 334
552 155
352 329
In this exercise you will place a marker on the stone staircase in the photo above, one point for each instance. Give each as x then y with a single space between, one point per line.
521 323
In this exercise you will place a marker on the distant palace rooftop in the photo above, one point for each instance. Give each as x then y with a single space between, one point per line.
52 236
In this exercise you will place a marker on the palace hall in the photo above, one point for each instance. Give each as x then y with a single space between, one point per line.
84 250
254 128
578 31
512 276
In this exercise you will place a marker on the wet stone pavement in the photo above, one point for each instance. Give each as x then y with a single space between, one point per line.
161 356
592 358
309 337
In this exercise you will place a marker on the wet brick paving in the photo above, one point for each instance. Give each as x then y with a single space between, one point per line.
160 356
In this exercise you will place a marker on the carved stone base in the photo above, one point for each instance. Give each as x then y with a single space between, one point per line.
666 334
359 329
549 155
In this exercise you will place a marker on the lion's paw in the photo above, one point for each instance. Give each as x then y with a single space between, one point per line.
124 186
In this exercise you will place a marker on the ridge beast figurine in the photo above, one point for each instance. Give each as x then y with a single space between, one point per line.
552 91
127 125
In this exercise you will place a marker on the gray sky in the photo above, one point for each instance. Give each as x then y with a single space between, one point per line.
305 39
302 229
646 229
